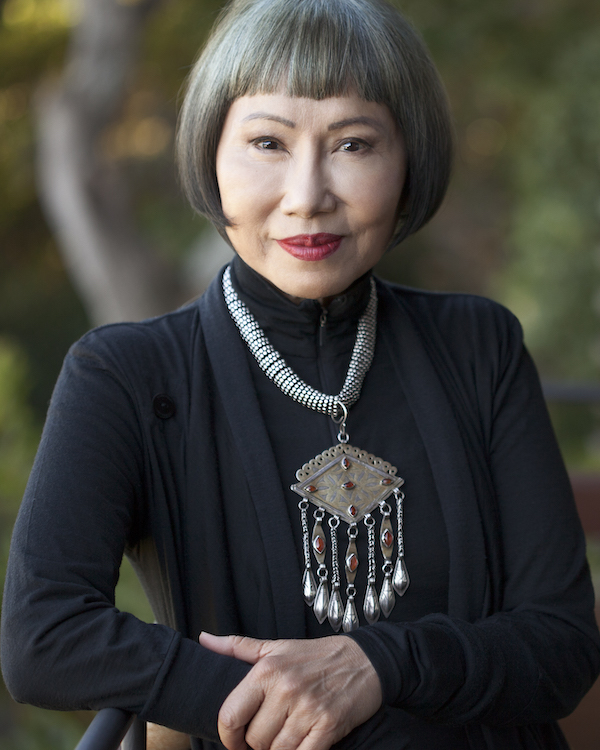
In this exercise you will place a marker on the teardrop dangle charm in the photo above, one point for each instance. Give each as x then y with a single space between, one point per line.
335 612
387 598
321 604
350 621
400 579
351 559
319 545
309 586
371 604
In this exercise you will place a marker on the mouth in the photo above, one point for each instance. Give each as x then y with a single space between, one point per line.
311 246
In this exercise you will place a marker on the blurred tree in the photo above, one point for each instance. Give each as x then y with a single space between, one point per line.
116 270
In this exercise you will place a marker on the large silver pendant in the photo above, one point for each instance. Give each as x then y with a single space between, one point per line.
350 484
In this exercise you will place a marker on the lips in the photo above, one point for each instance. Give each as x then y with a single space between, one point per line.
311 246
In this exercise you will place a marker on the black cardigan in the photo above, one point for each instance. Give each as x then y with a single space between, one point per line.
119 468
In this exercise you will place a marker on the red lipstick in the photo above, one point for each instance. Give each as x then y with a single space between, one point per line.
311 246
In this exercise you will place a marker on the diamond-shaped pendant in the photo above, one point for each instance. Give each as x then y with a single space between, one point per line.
347 481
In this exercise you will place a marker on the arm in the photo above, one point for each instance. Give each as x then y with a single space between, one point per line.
64 644
532 661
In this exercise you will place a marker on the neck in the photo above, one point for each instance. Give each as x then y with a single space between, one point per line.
247 276
296 327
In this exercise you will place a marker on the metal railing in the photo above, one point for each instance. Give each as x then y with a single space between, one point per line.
110 727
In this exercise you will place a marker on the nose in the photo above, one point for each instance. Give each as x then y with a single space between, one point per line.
307 190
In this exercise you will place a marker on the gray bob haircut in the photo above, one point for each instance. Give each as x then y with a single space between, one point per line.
318 49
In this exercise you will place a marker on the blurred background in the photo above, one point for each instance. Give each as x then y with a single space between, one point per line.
93 227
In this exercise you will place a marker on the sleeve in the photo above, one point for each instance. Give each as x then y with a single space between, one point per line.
533 661
64 644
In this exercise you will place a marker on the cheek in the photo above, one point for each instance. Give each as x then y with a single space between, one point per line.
232 185
378 209
246 192
375 197
240 187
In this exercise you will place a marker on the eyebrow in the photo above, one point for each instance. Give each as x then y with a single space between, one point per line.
356 121
267 116
362 120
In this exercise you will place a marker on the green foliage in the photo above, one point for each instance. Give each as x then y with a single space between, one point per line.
18 434
521 222
37 304
554 278
129 594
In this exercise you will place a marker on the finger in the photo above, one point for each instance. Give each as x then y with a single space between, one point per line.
266 724
220 644
295 734
237 711
247 649
317 739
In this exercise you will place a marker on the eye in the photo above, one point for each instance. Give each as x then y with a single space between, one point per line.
266 144
353 145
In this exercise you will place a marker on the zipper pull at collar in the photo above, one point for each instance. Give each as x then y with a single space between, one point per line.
322 324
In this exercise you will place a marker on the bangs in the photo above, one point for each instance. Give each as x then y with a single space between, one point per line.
317 49
314 49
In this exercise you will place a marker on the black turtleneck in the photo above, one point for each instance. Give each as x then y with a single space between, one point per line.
317 343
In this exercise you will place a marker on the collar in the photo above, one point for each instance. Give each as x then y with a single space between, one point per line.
302 328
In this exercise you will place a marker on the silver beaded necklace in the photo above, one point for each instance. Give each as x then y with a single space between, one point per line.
344 481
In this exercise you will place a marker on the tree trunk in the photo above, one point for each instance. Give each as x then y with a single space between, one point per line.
118 275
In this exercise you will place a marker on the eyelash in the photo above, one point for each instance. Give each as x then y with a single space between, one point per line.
263 140
357 142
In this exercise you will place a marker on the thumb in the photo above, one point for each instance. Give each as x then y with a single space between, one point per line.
240 647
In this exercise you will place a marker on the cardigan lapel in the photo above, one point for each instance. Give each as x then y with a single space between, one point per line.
227 355
436 421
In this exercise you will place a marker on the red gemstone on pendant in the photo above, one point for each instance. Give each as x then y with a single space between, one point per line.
387 538
386 481
352 510
345 463
311 488
352 562
348 486
319 544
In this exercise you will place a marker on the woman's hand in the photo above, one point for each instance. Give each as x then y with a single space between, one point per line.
304 694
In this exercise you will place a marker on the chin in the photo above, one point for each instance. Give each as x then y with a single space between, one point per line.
313 282
312 288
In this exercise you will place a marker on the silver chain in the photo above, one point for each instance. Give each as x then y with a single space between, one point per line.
334 522
303 505
276 369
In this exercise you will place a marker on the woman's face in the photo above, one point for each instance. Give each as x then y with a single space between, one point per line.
311 188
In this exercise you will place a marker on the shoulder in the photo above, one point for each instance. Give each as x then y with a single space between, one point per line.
143 351
474 343
456 317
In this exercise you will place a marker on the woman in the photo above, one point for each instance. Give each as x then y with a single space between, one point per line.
315 135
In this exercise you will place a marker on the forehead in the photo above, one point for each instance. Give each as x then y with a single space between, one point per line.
300 112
